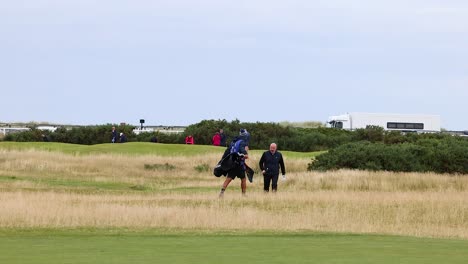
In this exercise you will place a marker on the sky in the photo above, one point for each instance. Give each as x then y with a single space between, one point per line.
177 62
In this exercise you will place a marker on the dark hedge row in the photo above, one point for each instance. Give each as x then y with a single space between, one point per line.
442 155
263 134
89 135
301 139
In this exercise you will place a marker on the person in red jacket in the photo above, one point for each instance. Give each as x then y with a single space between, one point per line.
216 139
189 140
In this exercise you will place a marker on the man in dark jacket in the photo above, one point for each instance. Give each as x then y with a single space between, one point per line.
114 135
123 138
222 138
270 163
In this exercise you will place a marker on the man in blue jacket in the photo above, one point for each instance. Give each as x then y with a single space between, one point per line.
270 164
237 153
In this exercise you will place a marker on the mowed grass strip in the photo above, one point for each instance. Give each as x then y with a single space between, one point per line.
83 248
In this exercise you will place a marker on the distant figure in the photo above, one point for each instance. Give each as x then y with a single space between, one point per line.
45 138
123 138
223 138
189 140
114 135
154 139
270 164
216 139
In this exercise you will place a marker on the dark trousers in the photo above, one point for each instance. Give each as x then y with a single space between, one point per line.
273 178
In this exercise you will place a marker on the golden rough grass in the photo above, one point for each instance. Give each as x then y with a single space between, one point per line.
416 204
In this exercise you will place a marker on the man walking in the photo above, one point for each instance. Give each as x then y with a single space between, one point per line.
237 154
222 137
114 135
270 163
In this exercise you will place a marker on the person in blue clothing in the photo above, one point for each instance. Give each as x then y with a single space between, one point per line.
270 164
238 152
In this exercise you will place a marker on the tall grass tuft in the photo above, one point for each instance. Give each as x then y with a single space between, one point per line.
165 166
202 168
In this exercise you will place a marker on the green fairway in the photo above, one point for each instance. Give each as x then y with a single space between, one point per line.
77 247
134 148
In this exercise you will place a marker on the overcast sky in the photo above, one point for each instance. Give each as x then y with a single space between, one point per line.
176 62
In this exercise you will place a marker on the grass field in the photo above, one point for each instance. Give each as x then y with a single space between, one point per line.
156 203
159 247
134 148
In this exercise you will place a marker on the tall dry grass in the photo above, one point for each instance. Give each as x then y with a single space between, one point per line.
341 201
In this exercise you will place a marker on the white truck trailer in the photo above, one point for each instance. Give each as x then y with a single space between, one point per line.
399 122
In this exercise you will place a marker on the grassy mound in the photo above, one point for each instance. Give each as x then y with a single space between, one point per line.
134 148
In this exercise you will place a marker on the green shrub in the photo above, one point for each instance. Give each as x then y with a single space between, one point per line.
90 135
161 137
263 134
445 155
32 135
370 133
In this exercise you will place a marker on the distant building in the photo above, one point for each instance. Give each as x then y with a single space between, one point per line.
8 130
398 122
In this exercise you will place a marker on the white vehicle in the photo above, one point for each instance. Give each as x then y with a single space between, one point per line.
399 122
48 128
